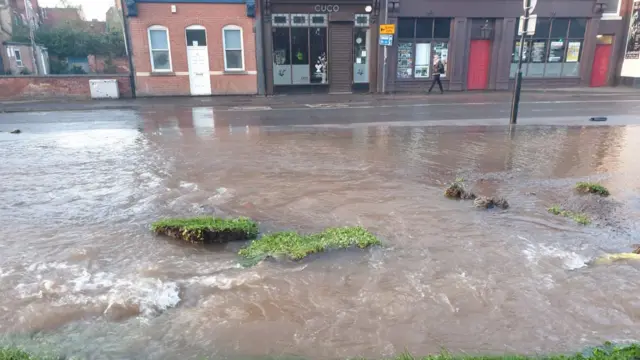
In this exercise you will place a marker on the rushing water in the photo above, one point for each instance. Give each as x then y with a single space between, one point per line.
80 272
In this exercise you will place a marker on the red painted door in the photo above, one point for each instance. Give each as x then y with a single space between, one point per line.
600 65
478 70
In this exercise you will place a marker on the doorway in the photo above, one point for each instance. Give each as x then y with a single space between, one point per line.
600 69
479 64
340 57
198 60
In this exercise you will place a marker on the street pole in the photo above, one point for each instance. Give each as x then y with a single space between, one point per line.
127 47
515 103
384 68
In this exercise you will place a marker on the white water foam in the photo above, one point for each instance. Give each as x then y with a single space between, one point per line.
69 284
570 260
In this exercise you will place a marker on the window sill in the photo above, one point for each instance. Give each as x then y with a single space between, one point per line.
235 72
430 78
163 73
611 17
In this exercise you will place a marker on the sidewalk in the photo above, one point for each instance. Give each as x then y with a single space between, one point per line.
315 100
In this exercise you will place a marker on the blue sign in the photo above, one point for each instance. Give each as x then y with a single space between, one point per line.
386 40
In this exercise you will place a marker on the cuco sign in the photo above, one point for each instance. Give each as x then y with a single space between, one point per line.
326 8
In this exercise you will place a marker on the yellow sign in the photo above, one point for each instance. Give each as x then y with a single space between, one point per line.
387 29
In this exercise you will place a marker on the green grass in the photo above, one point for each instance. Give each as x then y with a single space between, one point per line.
296 246
207 229
593 188
606 352
12 353
580 218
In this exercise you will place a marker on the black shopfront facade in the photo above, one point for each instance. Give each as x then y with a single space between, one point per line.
477 41
314 47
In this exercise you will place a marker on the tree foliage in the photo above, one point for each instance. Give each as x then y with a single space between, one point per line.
75 41
69 41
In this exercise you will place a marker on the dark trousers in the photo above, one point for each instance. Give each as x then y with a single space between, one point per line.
436 79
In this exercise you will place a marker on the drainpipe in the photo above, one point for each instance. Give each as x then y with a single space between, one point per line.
127 46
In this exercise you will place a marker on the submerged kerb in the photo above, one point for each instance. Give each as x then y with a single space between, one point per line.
296 246
207 229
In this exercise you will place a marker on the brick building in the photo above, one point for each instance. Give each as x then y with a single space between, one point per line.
192 47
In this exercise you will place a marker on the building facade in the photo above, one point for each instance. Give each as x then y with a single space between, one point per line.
576 43
312 46
196 47
630 72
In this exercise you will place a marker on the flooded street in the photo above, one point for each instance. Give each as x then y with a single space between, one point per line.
81 273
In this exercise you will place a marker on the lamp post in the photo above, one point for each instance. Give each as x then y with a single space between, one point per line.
515 103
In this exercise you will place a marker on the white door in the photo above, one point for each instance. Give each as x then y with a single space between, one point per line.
198 59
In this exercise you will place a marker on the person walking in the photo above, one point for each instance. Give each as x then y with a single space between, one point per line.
438 69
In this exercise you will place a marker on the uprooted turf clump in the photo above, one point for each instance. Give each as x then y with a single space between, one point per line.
296 247
592 188
207 229
486 202
457 190
580 218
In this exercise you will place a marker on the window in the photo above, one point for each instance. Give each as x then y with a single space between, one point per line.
300 49
196 35
233 51
159 49
553 51
420 41
18 56
612 8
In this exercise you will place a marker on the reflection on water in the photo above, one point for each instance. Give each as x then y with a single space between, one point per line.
80 265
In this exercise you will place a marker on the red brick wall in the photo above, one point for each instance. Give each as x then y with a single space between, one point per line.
213 17
64 86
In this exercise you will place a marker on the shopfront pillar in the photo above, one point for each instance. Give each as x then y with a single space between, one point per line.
458 54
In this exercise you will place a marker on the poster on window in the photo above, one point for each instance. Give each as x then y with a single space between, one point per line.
441 51
423 60
633 41
573 51
537 51
405 61
556 51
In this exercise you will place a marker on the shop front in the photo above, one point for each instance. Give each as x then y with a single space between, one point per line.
478 42
311 47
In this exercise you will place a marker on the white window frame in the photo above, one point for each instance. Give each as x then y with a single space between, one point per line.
613 16
18 54
224 47
165 29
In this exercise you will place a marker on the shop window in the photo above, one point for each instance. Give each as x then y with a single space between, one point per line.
360 55
280 19
406 28
361 20
421 42
233 48
424 28
554 50
159 49
300 49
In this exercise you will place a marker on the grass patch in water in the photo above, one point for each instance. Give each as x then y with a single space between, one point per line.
297 247
207 229
457 190
580 218
592 188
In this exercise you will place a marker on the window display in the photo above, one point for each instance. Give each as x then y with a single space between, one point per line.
554 50
299 49
420 41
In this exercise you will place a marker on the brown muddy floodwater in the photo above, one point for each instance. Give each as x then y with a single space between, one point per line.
81 274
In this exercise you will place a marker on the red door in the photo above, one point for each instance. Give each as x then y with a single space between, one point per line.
479 57
600 65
